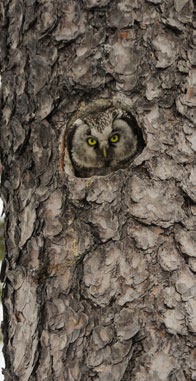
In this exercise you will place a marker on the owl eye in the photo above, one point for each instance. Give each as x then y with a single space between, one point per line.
114 138
91 142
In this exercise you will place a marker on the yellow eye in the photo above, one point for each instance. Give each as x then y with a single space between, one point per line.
91 142
114 138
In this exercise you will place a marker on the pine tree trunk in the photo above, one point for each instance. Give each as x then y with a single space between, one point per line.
99 273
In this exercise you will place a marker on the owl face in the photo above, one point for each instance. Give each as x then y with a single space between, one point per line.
102 143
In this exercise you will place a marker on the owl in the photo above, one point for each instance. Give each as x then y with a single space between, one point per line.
102 142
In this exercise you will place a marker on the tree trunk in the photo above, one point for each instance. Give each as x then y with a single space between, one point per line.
99 272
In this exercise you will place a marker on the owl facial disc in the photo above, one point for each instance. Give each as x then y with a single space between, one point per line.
102 142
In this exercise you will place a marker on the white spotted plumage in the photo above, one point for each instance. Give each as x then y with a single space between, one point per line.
102 142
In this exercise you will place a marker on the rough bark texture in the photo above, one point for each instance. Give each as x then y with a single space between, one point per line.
99 273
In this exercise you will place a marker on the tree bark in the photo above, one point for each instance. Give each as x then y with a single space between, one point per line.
99 273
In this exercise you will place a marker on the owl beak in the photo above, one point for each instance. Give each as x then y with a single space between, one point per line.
104 152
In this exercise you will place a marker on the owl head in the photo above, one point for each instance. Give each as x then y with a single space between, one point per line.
102 142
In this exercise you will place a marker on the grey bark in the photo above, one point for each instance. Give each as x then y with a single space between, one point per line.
99 273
